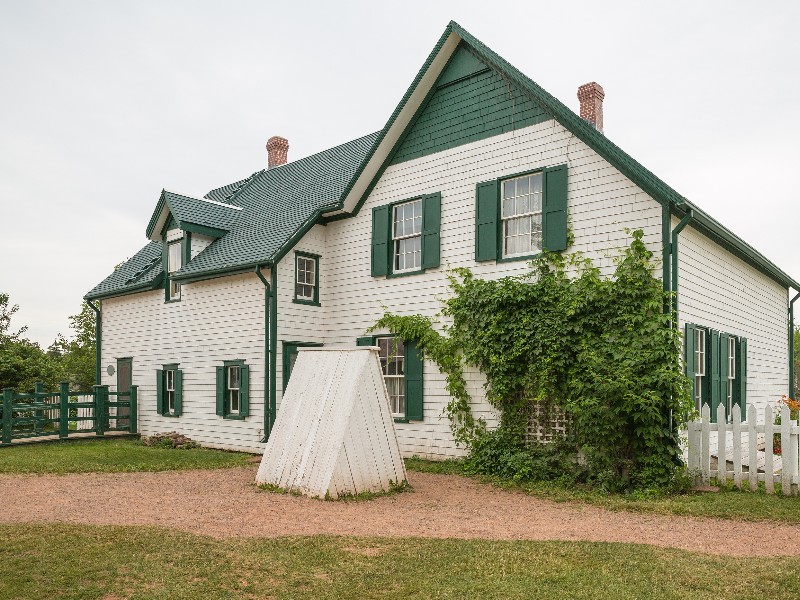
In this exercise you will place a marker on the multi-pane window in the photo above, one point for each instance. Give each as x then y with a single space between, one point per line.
306 278
699 366
407 236
731 358
173 264
521 214
232 389
392 357
169 389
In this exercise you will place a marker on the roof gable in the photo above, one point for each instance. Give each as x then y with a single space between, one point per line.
193 214
469 102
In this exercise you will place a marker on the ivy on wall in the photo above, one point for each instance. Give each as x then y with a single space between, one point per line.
601 349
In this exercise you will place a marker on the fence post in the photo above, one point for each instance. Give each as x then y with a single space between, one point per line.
38 388
769 442
134 407
8 398
786 452
737 445
752 447
100 395
63 409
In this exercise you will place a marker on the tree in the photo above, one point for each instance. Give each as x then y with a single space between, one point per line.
78 355
23 363
796 359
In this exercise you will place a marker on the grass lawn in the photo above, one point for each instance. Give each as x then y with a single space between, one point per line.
66 561
110 456
729 503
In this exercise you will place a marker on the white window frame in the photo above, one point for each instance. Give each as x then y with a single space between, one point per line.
396 382
699 365
312 285
731 356
519 217
398 240
232 392
169 387
174 287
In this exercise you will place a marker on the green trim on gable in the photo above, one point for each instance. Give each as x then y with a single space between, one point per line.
474 107
201 229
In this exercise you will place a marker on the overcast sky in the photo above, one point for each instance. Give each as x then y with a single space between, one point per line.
103 104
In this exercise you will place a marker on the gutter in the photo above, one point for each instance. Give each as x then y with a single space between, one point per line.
270 345
792 390
688 217
98 336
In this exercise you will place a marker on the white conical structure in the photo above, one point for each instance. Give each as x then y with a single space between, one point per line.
334 434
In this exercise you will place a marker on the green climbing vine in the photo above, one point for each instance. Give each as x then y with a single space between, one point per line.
600 349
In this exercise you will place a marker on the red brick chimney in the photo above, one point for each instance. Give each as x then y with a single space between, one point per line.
591 98
277 150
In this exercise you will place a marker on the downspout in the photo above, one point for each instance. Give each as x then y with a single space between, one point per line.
267 355
674 251
98 336
792 390
273 348
666 253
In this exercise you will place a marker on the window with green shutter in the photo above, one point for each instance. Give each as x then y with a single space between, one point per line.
716 363
402 367
233 390
518 217
169 391
406 236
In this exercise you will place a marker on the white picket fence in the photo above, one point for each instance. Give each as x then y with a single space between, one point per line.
746 444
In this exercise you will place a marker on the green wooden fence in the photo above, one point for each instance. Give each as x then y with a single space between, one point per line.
64 413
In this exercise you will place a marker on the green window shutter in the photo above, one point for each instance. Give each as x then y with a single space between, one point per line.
689 349
554 213
380 241
713 351
413 380
365 341
160 392
178 392
724 370
221 391
487 209
741 376
244 391
431 224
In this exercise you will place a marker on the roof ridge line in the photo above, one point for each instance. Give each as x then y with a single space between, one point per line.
234 207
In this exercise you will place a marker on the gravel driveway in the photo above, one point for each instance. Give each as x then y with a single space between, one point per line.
225 503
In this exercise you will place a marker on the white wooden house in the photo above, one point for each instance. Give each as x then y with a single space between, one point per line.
211 312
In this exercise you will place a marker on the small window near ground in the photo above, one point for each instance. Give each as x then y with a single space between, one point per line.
306 285
521 215
173 265
407 236
392 358
699 366
232 389
170 390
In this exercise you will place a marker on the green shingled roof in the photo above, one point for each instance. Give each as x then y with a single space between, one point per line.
142 272
279 204
203 212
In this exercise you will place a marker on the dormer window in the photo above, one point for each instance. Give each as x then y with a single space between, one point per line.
175 250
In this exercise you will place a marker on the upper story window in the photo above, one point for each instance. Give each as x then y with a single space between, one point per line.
407 236
521 215
174 262
306 278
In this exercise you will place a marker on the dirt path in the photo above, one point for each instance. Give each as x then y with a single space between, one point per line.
224 503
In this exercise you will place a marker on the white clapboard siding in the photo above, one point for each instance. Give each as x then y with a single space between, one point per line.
334 434
602 204
216 320
748 444
721 291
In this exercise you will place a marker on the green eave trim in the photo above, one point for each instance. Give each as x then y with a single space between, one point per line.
155 284
716 232
202 229
156 214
